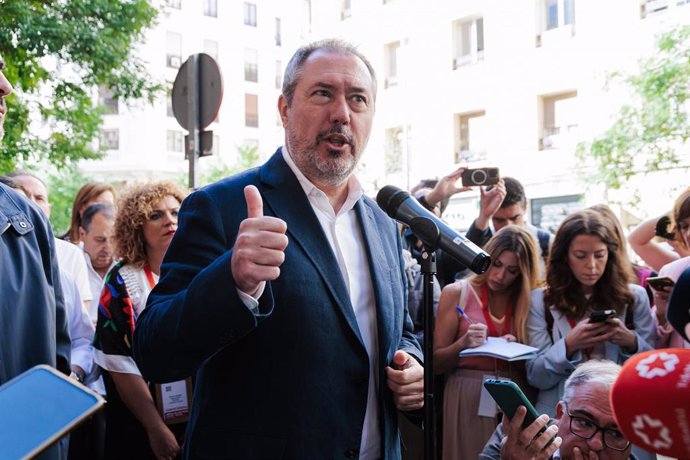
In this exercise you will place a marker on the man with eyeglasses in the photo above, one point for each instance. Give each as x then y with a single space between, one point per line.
585 428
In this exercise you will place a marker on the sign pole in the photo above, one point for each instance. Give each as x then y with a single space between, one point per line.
193 112
196 97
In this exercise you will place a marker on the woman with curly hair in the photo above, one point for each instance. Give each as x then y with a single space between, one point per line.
586 272
88 194
495 303
144 226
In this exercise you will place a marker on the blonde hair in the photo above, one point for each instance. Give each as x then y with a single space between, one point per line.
134 208
521 242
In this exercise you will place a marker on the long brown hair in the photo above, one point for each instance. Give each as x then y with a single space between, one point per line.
522 243
564 291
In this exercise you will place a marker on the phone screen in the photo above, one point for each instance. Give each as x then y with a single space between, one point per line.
599 316
38 408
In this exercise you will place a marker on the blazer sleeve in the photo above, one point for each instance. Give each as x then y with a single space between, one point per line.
551 364
195 311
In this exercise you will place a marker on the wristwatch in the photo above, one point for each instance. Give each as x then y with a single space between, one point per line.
78 376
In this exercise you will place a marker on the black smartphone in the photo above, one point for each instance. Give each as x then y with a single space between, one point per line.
480 176
599 316
660 282
509 397
38 408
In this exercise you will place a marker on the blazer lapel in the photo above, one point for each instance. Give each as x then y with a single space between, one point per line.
284 196
379 268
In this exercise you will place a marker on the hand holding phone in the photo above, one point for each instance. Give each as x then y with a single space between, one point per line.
538 440
510 399
660 283
599 316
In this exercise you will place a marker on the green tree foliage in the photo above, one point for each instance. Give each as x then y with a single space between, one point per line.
652 128
57 53
63 186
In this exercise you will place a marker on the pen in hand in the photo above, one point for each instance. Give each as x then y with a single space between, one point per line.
463 314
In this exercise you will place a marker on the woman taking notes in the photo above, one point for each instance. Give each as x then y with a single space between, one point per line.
495 303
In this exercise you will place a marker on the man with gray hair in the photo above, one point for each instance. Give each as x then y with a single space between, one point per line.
585 427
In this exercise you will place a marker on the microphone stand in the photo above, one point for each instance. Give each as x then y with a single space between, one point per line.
428 271
428 233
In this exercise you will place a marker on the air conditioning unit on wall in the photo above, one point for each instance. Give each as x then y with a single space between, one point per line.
174 61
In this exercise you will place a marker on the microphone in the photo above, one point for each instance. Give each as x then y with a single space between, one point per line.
650 400
433 232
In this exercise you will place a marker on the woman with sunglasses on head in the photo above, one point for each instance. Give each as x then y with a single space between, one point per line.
495 303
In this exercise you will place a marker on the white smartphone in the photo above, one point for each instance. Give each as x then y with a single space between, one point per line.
40 406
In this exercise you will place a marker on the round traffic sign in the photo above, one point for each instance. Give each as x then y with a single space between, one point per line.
208 88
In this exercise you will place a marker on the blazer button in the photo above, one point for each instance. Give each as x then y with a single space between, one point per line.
352 452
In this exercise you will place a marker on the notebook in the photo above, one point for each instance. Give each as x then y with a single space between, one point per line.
497 347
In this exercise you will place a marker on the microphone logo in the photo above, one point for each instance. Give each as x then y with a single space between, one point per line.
652 432
657 365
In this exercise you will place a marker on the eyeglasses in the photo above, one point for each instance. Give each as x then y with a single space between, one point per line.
586 429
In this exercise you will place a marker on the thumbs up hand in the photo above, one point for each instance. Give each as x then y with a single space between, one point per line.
259 248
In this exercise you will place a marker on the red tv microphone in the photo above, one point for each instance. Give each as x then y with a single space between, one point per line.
651 401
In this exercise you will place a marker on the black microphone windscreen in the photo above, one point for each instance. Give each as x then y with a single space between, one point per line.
390 198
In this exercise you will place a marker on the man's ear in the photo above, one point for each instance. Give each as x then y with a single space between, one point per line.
82 234
283 109
560 409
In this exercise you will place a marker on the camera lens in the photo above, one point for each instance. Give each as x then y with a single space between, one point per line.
479 176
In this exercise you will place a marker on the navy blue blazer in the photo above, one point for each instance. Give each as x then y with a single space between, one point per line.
290 381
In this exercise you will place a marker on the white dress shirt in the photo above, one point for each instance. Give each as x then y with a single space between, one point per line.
347 242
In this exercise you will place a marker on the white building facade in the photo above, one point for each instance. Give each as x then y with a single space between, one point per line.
506 83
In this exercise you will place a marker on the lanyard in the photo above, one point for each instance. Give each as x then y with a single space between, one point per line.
149 276
493 329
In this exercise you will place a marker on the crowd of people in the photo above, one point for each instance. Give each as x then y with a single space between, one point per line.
288 303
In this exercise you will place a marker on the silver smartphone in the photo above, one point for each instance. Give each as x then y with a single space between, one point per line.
40 406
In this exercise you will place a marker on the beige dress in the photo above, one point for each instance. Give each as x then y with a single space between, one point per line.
464 431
